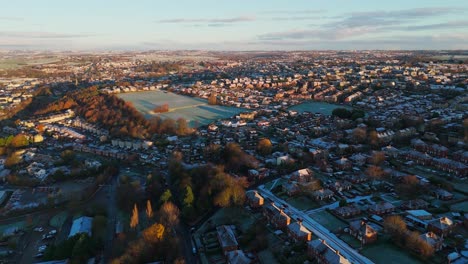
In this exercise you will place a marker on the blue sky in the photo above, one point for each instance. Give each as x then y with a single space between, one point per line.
233 25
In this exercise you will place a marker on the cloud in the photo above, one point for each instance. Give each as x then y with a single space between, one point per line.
336 34
358 24
293 12
446 25
295 18
11 18
42 35
210 21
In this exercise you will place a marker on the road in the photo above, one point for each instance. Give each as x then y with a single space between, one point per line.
111 194
320 231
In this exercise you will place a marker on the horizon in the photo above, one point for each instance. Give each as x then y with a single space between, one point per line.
241 26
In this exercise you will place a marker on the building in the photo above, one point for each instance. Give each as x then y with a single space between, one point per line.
432 239
80 225
381 208
238 257
303 176
227 238
322 253
276 216
254 199
420 214
322 194
362 231
299 232
414 204
347 211
441 226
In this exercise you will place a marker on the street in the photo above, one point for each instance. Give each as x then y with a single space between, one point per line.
352 255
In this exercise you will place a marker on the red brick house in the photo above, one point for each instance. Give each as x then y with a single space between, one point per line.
254 199
298 232
441 226
381 208
322 253
276 216
362 231
227 238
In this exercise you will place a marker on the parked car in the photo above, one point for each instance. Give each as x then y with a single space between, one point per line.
39 229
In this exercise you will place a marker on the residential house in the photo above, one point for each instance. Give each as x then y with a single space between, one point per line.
442 194
322 194
227 238
362 231
347 211
291 188
432 239
238 257
323 253
304 175
381 208
414 204
299 232
276 216
254 199
441 226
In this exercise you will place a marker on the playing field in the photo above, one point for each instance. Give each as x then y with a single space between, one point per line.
317 107
194 110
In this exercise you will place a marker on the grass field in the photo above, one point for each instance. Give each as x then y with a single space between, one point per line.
14 63
194 110
328 220
386 252
317 107
303 203
58 220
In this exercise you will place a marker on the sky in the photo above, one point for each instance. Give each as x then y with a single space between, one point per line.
233 24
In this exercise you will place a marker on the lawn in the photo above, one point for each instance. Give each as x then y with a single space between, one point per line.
228 216
317 107
463 206
328 220
266 257
194 110
350 240
388 253
58 220
303 203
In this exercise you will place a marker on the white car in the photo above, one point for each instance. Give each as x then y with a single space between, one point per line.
39 229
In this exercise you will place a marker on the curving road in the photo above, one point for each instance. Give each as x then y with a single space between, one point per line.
320 231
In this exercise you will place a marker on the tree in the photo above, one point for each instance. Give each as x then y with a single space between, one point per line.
212 100
264 146
359 135
169 214
396 226
188 198
341 113
149 209
377 158
134 219
166 196
12 160
375 172
182 127
19 141
153 233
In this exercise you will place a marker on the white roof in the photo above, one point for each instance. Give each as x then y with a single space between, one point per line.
81 225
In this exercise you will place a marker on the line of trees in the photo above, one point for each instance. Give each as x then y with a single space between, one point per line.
396 227
161 108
